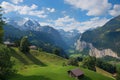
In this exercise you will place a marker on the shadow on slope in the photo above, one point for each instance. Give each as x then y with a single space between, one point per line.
26 58
34 59
85 78
39 77
19 57
33 77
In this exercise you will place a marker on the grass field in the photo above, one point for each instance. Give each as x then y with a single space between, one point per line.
103 72
118 64
45 66
75 55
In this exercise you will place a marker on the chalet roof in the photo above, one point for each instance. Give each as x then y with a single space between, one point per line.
32 46
8 43
77 72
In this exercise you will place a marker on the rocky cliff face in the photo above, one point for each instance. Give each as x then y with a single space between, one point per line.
80 45
101 53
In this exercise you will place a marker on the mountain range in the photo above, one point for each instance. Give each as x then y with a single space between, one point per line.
103 39
45 37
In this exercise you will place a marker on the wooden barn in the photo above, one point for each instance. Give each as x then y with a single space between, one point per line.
77 73
33 47
9 44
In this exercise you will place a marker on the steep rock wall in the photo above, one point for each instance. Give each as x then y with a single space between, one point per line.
80 45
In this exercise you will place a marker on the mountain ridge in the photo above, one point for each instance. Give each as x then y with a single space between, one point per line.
105 37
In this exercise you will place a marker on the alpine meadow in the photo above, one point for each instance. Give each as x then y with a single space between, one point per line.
59 39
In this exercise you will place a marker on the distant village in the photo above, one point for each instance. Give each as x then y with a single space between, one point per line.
11 44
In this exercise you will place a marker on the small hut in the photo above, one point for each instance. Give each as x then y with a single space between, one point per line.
9 44
33 47
77 73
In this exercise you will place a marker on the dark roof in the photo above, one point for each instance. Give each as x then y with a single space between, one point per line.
77 72
8 43
32 47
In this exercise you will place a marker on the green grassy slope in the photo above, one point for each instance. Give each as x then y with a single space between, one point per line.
45 66
99 70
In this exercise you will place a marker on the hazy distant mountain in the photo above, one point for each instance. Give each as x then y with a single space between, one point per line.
70 37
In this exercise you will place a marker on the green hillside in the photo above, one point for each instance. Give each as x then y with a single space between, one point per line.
103 72
45 66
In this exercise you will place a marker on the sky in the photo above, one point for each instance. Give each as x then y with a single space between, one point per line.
63 14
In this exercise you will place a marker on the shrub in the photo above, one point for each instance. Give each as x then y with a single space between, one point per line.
24 45
73 62
5 63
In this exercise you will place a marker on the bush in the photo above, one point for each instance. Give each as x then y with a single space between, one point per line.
118 74
79 58
24 45
106 66
5 63
73 62
40 49
56 51
89 62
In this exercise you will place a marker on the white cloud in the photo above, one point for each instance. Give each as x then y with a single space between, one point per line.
51 9
115 11
16 1
21 21
94 7
92 23
45 23
26 10
67 23
7 7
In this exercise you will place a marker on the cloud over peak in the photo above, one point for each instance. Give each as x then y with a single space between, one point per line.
67 23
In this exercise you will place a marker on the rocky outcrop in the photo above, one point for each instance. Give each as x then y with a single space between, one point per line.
80 45
101 53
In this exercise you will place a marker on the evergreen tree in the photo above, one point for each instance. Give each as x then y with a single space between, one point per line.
73 62
24 45
118 74
1 25
89 62
5 62
56 51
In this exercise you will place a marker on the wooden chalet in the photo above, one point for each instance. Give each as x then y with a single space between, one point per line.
33 47
9 44
77 73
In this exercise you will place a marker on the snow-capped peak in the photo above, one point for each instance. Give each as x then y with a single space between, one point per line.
24 23
31 25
